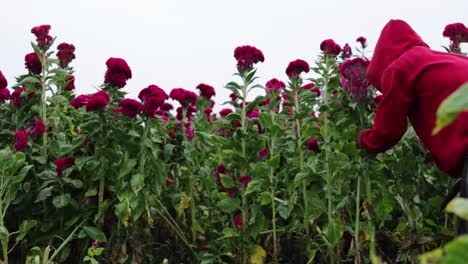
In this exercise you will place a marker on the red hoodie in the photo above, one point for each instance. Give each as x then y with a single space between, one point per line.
414 81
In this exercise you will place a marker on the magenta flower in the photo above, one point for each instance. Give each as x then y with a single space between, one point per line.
247 56
71 83
21 140
3 81
80 101
16 97
97 101
252 114
244 180
36 129
295 68
189 131
118 72
274 85
130 107
346 52
95 244
329 47
224 112
206 90
33 64
184 97
233 97
65 54
313 145
63 164
456 32
263 153
167 107
238 222
363 41
4 94
169 181
353 77
42 35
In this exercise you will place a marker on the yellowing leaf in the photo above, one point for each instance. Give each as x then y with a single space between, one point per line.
257 255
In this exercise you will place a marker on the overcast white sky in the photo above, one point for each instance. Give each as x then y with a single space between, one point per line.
181 43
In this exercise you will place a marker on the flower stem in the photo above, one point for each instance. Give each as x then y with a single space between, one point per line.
43 103
243 172
273 193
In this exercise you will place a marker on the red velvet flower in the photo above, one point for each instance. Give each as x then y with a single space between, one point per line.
244 180
274 85
206 90
4 94
167 107
80 101
457 32
247 56
130 107
252 114
97 101
184 97
36 129
313 145
71 83
63 164
42 35
233 97
169 181
353 77
238 222
33 64
263 153
346 52
65 54
3 81
295 68
21 140
189 131
329 47
117 72
224 112
16 97
363 41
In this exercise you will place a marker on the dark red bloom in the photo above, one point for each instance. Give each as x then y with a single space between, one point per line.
224 112
311 87
189 131
378 98
456 32
329 47
247 56
63 164
172 134
167 107
238 222
263 153
363 41
3 81
206 90
42 35
80 101
36 129
346 52
169 181
295 68
244 180
16 97
117 72
233 97
33 64
313 145
94 244
21 140
97 101
130 107
252 114
220 169
184 97
353 77
65 54
71 83
153 91
274 85
4 94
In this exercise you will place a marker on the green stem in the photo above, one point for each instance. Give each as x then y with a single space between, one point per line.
4 240
273 193
243 172
64 243
43 103
357 221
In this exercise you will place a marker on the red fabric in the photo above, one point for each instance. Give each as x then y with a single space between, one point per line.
414 80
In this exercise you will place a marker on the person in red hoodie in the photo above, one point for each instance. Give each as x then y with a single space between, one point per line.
414 80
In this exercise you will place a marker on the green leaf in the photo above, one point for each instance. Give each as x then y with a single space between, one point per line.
44 193
61 200
453 252
274 161
458 206
257 255
266 120
133 133
449 109
25 226
22 173
227 181
77 184
29 79
228 205
95 234
81 161
265 198
137 182
127 167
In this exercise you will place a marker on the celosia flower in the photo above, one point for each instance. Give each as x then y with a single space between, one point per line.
329 47
346 52
189 131
42 35
80 101
244 180
313 145
4 94
252 114
295 68
16 97
224 112
33 64
95 244
353 77
169 181
274 85
3 81
263 153
167 107
363 41
118 72
247 56
456 32
71 83
233 97
153 91
206 91
130 107
184 97
63 164
36 129
238 222
21 140
65 54
97 101
172 134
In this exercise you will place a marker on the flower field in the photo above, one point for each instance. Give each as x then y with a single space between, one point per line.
163 178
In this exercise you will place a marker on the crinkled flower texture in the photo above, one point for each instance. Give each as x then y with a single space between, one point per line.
206 90
247 56
274 85
353 77
118 72
329 47
295 68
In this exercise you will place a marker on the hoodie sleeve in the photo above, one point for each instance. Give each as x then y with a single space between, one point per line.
390 121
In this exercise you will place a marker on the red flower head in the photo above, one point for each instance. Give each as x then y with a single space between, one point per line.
263 153
274 85
247 56
363 41
42 35
63 164
311 87
71 83
378 99
224 112
238 222
172 134
295 68
21 140
3 81
189 131
233 97
244 180
130 107
33 64
252 114
167 107
94 244
184 97
329 47
16 97
346 52
80 101
313 145
220 169
36 129
353 77
206 91
117 72
169 181
456 32
97 101
153 90
65 54
4 94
